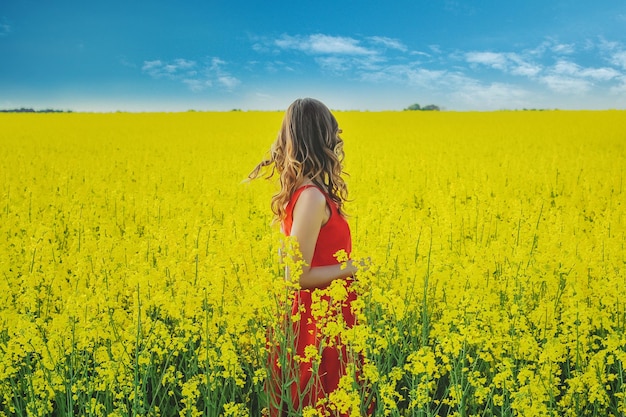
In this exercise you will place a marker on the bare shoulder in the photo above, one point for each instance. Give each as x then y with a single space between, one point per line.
312 206
311 197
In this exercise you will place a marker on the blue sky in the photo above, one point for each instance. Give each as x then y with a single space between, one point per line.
362 55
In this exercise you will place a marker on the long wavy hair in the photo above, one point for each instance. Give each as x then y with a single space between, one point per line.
308 146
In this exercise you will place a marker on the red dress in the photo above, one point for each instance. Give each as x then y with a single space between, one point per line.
301 385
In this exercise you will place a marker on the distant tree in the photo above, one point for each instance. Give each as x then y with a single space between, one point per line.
30 110
430 107
21 110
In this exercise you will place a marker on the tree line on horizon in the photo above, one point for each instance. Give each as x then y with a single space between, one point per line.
429 107
30 110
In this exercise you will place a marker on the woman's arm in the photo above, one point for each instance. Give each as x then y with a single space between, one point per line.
308 216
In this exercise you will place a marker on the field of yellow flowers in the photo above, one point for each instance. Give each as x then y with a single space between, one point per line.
140 275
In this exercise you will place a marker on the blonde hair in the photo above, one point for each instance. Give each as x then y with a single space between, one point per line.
308 146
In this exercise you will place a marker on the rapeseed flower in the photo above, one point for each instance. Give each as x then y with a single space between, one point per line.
139 276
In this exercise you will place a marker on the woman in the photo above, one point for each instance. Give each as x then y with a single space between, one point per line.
308 155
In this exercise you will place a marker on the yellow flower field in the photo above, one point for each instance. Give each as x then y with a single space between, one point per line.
140 272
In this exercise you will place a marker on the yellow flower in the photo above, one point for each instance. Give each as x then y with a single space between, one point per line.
235 410
133 267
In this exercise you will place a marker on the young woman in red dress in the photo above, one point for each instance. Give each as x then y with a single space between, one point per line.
307 156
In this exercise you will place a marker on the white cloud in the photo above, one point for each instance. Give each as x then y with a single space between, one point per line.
619 59
150 66
414 76
183 64
196 77
526 69
217 63
276 66
291 42
566 84
554 47
175 69
126 63
491 59
566 67
508 62
338 54
228 81
5 29
620 88
554 67
600 74
323 44
568 77
435 48
333 63
494 96
572 69
388 43
427 78
564 76
563 48
360 58
260 47
197 85
407 74
609 47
